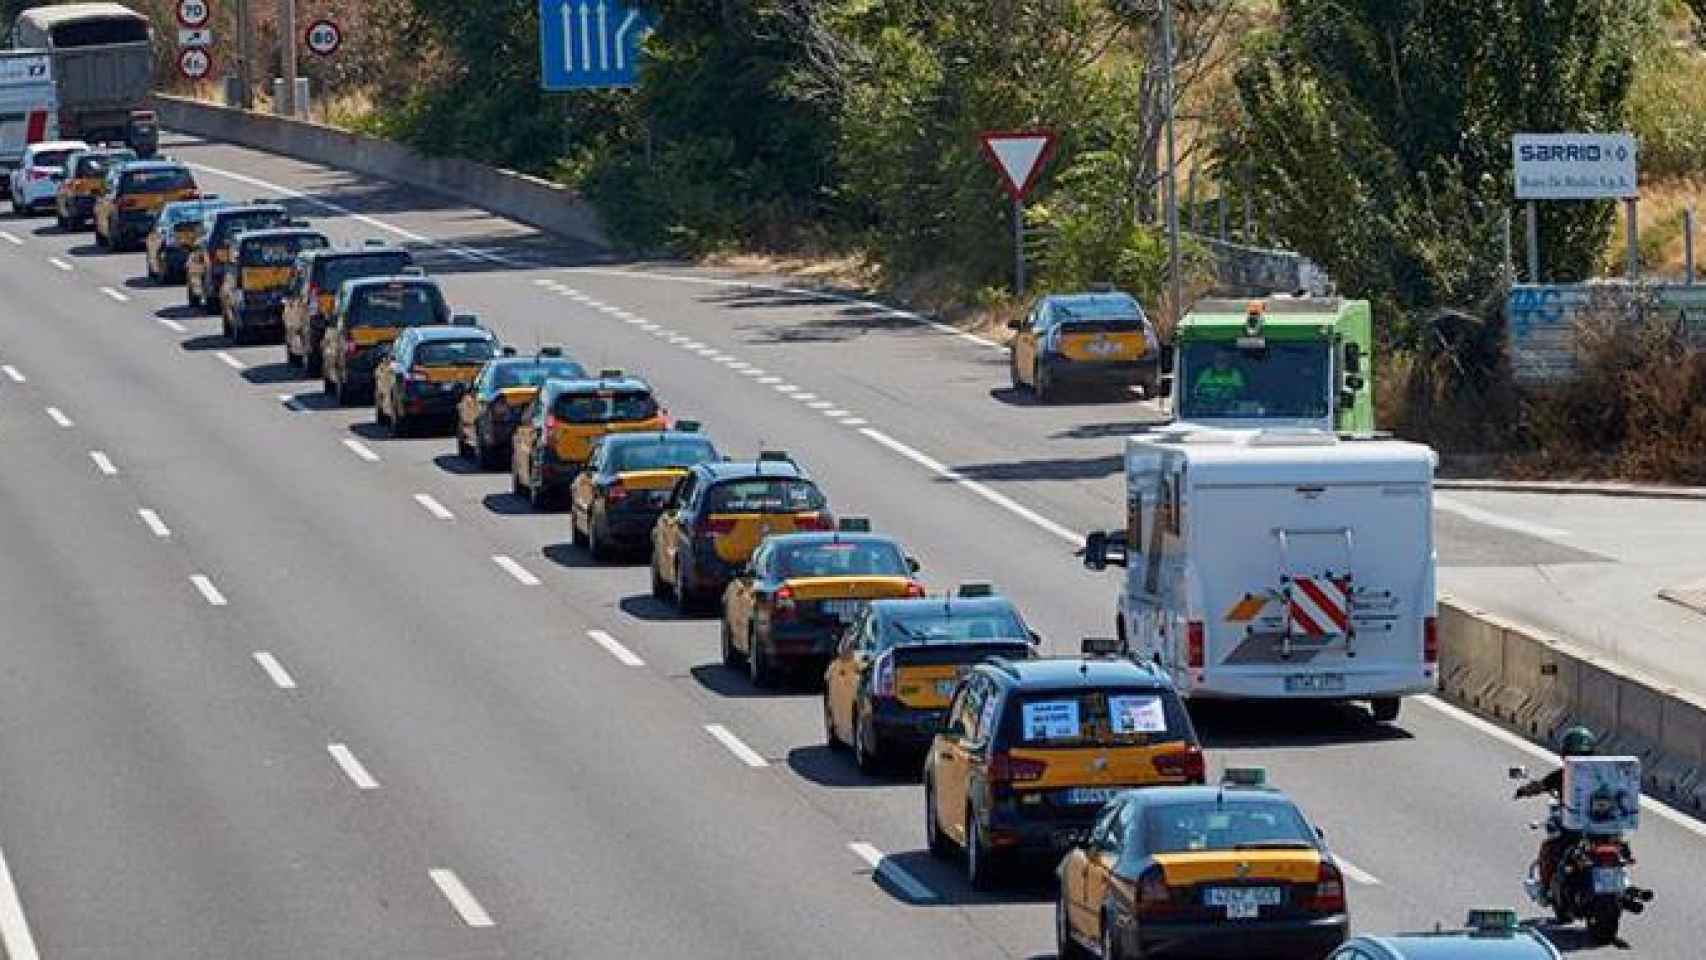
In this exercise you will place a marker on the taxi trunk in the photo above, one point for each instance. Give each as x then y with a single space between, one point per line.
808 613
437 389
1100 350
80 196
924 680
571 443
723 542
630 515
1278 902
136 212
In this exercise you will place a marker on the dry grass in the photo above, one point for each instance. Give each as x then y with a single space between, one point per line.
1659 217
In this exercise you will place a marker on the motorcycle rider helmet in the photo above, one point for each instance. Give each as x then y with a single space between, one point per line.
1578 742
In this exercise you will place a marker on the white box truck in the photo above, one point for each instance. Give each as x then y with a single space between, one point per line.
1278 564
29 103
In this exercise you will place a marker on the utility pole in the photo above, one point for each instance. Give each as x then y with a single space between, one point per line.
287 55
246 55
1175 279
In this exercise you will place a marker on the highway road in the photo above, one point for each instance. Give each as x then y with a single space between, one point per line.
275 685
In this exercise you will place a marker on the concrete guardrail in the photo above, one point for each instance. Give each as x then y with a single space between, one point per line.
530 200
1538 685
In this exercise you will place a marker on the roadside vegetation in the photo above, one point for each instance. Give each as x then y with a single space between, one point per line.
839 137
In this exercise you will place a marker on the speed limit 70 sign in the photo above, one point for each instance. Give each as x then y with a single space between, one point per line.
193 14
323 37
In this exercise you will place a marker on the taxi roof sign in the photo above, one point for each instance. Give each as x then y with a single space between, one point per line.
774 456
853 524
1101 646
507 350
465 320
1244 777
610 373
975 588
412 270
550 350
1492 920
687 426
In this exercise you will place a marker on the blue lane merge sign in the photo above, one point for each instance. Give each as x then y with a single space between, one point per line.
589 44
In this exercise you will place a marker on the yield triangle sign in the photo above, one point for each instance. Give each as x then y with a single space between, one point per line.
1020 155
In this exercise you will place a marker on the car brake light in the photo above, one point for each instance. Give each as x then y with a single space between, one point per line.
1153 894
813 521
1607 855
914 588
551 421
615 492
782 606
714 525
313 294
882 676
1187 763
1194 644
1006 768
1329 893
1430 640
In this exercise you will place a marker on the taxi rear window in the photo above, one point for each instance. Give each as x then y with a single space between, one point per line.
607 407
52 158
982 626
331 272
764 495
279 251
845 559
398 305
534 374
661 455
1245 825
1097 718
249 220
88 167
454 353
156 181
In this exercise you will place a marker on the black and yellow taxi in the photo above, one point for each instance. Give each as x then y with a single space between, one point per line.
204 268
176 229
426 370
85 176
719 513
312 293
488 413
131 197
886 692
1032 749
368 315
1234 871
616 500
257 273
554 438
789 605
1085 339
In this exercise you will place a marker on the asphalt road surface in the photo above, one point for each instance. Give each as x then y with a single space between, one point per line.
275 685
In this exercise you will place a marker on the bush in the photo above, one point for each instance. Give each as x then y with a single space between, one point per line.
1667 111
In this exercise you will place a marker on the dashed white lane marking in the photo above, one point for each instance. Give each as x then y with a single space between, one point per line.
1354 872
154 523
275 671
13 374
516 570
1491 519
231 361
545 282
636 321
767 381
115 295
466 906
999 499
734 364
803 397
692 345
854 422
361 450
742 752
835 413
172 325
14 928
103 462
820 405
648 326
9 238
58 416
209 592
433 507
786 388
61 264
290 402
753 372
625 656
352 767
892 872
1544 755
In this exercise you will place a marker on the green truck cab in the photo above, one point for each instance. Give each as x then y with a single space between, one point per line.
1279 361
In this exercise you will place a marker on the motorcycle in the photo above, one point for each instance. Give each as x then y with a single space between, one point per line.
1591 880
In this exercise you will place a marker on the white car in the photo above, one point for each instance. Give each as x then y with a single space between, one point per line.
38 175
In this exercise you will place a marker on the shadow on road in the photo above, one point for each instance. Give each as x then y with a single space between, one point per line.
830 767
1060 468
277 372
734 684
1027 883
204 342
1062 396
644 606
570 556
507 504
453 463
1258 724
1100 431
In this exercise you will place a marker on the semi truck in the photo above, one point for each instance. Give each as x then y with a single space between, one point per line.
1278 563
102 57
29 104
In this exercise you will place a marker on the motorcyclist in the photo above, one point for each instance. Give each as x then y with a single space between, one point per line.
1577 742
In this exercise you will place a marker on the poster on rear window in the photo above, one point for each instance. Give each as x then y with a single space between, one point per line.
1137 714
1051 720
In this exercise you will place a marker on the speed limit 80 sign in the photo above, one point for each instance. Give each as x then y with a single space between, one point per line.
323 37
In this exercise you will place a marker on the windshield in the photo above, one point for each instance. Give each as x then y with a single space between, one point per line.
608 407
398 305
533 374
331 272
175 216
157 181
764 495
979 626
91 166
1099 718
1280 381
454 353
872 558
1243 825
249 220
279 251
97 30
660 455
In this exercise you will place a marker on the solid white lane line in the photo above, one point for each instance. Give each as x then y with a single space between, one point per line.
231 361
515 570
58 416
1487 517
1355 873
61 264
999 499
172 325
9 238
14 928
627 657
290 402
893 872
742 752
154 523
275 671
209 592
464 903
115 295
361 450
103 462
352 767
13 374
434 507
1544 755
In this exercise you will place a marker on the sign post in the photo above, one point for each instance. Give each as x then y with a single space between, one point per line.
1576 166
1019 156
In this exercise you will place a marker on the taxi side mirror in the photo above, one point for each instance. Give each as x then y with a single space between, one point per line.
912 565
1035 637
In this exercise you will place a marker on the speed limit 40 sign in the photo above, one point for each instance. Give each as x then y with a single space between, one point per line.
194 62
323 37
193 14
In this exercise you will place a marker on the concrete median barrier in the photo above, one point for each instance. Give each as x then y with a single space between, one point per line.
530 200
1538 685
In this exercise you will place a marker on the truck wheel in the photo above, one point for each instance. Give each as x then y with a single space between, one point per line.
1385 709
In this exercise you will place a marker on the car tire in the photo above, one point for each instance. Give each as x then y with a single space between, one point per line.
732 658
191 297
831 739
463 450
595 544
1065 948
1110 947
1041 384
864 751
311 363
577 536
59 221
1013 370
292 359
758 668
940 846
1385 709
661 593
345 394
980 865
225 328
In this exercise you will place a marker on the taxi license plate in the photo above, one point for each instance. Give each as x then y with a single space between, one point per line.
1609 880
1091 795
1242 903
1315 683
845 609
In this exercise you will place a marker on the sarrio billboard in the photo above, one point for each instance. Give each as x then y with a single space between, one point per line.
1574 166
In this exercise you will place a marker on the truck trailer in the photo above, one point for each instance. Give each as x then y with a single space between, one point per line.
102 58
29 103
